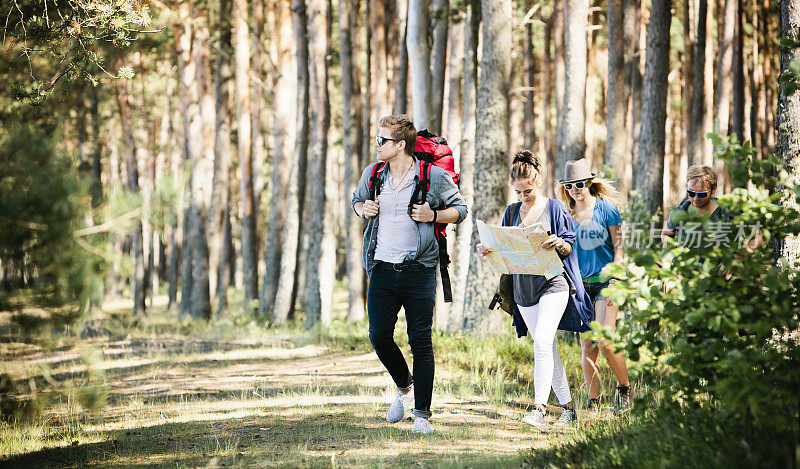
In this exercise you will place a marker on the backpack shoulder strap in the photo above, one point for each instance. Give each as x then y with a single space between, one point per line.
424 179
375 180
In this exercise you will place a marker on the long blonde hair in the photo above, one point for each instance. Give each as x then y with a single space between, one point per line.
602 188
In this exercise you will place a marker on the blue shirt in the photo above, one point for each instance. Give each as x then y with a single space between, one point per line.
593 242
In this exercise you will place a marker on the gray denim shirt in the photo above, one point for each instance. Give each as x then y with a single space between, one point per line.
442 194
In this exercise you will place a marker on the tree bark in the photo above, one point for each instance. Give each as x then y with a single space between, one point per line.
617 95
697 128
455 72
529 83
257 130
466 161
284 297
419 60
491 143
249 254
737 118
320 257
635 34
727 38
285 86
788 141
572 131
351 129
401 82
126 123
649 165
441 22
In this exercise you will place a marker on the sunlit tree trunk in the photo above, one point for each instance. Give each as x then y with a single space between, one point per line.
351 123
320 257
697 125
491 144
241 44
419 54
401 81
529 83
571 133
466 161
617 95
283 136
648 167
284 297
788 142
441 22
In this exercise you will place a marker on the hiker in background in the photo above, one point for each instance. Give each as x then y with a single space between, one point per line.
543 306
592 202
701 182
400 254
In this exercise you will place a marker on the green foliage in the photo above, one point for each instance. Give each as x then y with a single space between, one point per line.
42 203
719 324
790 78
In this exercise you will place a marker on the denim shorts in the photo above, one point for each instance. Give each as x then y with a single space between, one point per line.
594 289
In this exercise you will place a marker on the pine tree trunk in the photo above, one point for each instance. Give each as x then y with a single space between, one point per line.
419 54
320 265
727 39
283 139
558 87
649 165
548 90
788 141
220 196
257 129
571 133
636 32
441 22
351 128
697 128
687 80
737 117
455 72
529 83
617 96
466 162
491 144
249 254
401 82
631 33
129 153
284 297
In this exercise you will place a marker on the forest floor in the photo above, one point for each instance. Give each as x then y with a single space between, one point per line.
272 398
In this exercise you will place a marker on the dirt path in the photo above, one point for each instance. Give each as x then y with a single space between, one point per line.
269 403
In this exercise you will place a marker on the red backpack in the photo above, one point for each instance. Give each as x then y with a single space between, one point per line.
430 150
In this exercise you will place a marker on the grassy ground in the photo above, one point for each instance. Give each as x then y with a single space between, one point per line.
160 391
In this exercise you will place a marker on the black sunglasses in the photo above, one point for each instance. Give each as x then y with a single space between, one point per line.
578 185
699 194
381 140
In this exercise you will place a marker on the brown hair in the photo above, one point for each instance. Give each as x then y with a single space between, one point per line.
526 165
602 188
705 173
402 129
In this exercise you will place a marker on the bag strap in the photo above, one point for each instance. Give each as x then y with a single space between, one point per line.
375 181
444 260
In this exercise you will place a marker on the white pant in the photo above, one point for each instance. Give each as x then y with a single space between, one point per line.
542 320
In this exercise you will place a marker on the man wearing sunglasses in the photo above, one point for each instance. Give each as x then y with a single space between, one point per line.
701 181
400 255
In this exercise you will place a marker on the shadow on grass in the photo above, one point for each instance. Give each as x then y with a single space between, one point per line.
278 439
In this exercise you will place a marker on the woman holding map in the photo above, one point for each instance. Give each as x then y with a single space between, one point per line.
543 304
592 203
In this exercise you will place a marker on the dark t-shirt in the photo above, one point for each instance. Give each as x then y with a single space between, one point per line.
718 232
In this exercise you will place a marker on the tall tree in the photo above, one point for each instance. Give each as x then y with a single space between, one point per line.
472 24
129 148
202 167
617 95
441 22
285 87
351 129
284 297
727 39
220 196
419 59
571 143
455 71
648 168
788 141
491 145
320 262
528 81
241 44
697 125
737 117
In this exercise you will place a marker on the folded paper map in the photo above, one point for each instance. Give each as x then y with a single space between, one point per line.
515 250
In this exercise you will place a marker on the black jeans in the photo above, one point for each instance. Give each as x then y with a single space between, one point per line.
414 288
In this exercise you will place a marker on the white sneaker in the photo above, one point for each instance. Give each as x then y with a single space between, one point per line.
535 418
399 407
421 425
568 418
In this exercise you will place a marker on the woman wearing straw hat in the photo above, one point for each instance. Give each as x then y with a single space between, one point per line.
592 203
545 305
